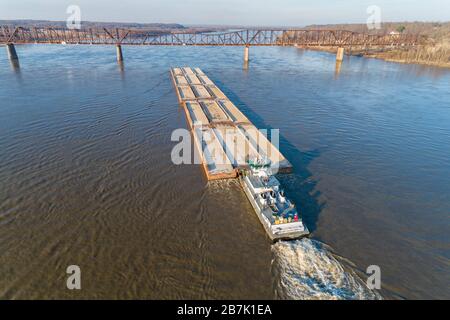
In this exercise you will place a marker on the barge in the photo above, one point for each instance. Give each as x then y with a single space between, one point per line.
226 140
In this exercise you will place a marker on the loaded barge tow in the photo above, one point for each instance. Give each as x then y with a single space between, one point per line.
230 146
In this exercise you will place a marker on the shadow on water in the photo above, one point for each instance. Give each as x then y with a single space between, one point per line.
15 68
15 65
298 263
299 185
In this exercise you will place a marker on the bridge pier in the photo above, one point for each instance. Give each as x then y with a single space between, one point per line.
340 54
119 53
246 54
12 54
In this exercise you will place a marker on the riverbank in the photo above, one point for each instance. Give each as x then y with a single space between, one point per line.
430 56
409 57
435 51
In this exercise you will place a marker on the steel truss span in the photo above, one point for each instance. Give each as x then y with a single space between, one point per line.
256 37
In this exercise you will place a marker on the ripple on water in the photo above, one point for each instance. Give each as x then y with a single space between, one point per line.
86 176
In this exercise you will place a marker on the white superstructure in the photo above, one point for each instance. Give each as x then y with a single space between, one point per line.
277 213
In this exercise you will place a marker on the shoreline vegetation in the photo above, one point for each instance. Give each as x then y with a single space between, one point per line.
422 55
435 51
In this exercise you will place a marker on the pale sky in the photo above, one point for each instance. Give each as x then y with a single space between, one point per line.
231 12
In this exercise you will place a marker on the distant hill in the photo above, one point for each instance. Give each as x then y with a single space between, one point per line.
93 24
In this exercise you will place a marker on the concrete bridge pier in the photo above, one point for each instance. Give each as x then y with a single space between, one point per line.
340 54
246 54
119 53
12 54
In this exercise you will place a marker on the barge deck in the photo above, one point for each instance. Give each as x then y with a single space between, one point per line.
225 138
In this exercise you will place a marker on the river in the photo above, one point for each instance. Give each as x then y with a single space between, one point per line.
86 177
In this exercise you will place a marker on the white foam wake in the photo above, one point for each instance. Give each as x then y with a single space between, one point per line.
307 270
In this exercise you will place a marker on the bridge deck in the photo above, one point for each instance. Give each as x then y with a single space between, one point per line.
255 37
224 137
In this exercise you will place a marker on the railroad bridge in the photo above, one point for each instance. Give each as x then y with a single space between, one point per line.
246 38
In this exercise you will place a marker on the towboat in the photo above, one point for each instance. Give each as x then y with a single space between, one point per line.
278 215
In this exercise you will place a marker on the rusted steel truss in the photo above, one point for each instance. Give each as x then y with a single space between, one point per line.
106 36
